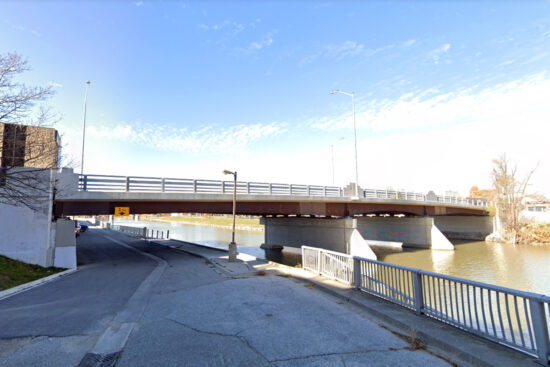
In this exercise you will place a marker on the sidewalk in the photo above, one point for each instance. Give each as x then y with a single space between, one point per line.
443 340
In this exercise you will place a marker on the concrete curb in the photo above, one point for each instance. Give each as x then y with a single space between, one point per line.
35 283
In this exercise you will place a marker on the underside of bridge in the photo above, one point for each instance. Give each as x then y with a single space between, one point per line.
264 208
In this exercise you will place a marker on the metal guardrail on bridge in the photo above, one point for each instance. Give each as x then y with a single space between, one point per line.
105 183
517 319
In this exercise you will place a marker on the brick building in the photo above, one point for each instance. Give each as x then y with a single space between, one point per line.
29 146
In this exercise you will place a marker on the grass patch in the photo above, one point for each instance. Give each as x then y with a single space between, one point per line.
14 273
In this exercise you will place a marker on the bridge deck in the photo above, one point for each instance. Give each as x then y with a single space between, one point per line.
100 194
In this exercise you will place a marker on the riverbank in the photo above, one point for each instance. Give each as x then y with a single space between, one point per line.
222 222
14 273
534 234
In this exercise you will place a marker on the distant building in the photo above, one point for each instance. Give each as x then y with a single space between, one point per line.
29 146
536 210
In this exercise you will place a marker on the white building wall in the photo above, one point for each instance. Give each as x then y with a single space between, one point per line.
30 236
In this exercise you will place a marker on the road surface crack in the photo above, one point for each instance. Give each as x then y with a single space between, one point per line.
236 335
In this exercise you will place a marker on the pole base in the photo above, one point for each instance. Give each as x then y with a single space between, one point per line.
232 252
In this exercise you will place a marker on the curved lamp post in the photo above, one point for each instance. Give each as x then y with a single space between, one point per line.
352 95
233 245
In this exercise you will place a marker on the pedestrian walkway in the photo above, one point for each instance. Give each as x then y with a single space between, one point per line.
445 340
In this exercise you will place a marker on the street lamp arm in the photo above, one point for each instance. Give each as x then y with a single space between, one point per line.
341 92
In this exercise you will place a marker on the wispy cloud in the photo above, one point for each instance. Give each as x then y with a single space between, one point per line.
436 54
432 108
209 139
229 26
265 41
55 84
138 3
345 50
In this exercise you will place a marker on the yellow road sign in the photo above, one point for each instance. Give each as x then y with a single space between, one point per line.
122 211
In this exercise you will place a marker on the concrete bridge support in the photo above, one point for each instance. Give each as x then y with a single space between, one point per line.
335 234
458 227
352 235
418 232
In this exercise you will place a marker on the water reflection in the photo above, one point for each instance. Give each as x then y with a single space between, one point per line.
523 267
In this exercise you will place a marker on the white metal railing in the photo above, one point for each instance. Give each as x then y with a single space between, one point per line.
331 264
514 318
140 232
105 183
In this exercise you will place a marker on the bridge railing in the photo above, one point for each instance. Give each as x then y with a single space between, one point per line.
156 184
106 183
517 319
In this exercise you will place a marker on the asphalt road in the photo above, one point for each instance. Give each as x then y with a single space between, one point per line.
137 304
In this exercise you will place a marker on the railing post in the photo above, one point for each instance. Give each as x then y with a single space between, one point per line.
223 187
270 189
144 230
162 184
127 183
308 190
248 187
357 273
194 186
85 184
290 189
418 296
319 261
324 191
540 329
167 234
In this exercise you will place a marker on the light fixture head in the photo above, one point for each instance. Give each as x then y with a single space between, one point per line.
226 172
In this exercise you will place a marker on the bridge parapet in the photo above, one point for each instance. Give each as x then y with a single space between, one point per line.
111 183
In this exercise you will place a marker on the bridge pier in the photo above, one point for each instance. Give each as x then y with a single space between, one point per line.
459 227
420 232
334 234
352 235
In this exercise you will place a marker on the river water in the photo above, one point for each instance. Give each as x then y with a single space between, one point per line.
523 267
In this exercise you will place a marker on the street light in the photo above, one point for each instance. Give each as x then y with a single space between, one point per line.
233 245
352 95
84 129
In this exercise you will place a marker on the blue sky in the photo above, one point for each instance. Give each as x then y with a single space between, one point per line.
187 89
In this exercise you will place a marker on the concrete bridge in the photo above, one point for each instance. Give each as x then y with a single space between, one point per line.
294 215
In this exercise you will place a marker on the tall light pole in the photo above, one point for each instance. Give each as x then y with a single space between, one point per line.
352 95
233 245
332 157
84 129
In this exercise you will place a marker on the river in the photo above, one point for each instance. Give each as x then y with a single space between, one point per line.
523 267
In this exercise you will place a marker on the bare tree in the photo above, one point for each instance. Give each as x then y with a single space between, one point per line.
27 150
509 192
